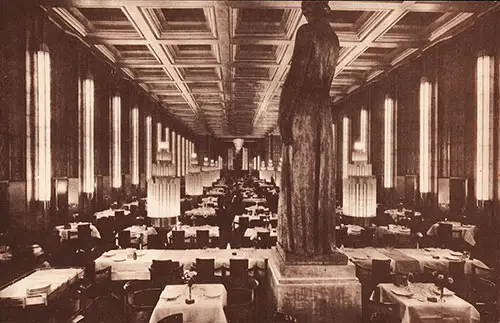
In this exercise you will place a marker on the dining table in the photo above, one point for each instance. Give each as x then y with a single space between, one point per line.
190 230
70 231
109 213
208 306
140 233
405 260
465 231
422 303
125 267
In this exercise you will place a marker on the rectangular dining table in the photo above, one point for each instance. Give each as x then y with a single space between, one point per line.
123 267
208 306
414 306
465 231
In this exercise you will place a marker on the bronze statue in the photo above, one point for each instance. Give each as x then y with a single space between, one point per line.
307 196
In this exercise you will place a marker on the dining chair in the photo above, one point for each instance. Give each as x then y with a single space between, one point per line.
274 223
157 241
174 318
124 239
381 271
341 236
206 270
263 239
243 223
238 272
255 223
178 239
202 238
167 273
444 234
240 306
139 296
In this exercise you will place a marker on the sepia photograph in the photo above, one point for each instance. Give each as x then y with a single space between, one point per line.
249 161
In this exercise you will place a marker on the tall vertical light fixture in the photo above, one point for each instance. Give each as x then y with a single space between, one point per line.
175 152
364 129
88 134
135 146
43 165
389 142
179 155
346 139
149 146
484 122
425 135
116 169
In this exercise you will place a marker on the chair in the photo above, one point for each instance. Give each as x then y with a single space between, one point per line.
483 292
381 271
124 239
206 270
238 269
240 306
456 269
202 239
178 239
84 234
263 239
156 241
165 273
139 296
444 234
174 318
274 223
255 223
280 317
243 223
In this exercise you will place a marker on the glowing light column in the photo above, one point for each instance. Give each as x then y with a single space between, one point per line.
389 143
425 135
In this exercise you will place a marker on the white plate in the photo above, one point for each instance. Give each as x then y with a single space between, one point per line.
456 254
172 293
119 258
39 287
453 258
401 292
109 253
213 292
360 257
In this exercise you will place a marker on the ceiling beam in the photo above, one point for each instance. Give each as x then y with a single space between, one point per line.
142 25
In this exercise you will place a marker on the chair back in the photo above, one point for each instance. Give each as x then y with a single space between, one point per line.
274 223
456 269
444 233
381 271
124 239
238 269
84 232
202 238
254 223
174 318
205 269
163 265
263 239
178 239
156 241
244 222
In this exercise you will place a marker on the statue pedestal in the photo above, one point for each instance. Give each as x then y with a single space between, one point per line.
324 289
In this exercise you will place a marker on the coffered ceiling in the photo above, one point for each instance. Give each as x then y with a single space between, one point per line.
219 66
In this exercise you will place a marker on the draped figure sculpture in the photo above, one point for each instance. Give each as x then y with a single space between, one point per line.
307 197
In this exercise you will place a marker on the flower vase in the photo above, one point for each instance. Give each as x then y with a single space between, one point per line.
189 300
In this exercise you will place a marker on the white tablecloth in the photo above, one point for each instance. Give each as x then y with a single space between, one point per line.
252 232
201 211
108 213
137 230
396 214
190 231
417 309
204 310
123 268
466 231
72 232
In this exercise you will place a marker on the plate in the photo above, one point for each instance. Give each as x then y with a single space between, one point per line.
456 253
172 293
109 253
140 253
402 292
119 258
453 258
212 292
39 287
360 257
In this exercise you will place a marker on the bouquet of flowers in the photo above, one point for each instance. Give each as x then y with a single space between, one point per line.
442 281
189 277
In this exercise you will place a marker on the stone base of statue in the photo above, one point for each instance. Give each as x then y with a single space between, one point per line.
316 289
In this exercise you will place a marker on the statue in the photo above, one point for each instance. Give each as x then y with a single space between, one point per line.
307 197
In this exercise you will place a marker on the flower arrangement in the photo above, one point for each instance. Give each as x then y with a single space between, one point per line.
189 277
442 281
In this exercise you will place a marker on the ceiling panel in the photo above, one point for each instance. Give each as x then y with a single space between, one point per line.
219 66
